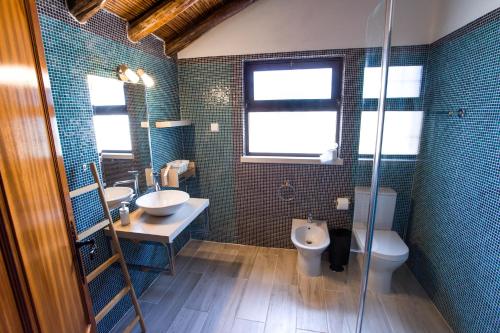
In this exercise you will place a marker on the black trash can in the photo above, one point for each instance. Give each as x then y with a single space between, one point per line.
340 245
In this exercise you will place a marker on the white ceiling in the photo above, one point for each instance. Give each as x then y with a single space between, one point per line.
295 25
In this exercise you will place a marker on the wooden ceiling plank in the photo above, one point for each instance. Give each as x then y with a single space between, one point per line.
155 17
225 12
83 10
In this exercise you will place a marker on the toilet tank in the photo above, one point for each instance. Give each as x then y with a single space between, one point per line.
386 204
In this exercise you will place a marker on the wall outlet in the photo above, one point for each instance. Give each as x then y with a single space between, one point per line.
214 127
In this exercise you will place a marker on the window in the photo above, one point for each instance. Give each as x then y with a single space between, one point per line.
292 106
401 132
112 133
403 82
111 121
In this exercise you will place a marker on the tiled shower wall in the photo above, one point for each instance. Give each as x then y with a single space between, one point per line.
244 200
454 234
72 52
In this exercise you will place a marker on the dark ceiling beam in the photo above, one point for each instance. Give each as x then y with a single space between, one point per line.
83 10
155 17
221 14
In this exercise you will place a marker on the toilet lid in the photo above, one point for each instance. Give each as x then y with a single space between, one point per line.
386 244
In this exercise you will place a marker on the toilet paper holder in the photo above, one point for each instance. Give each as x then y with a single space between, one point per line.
342 203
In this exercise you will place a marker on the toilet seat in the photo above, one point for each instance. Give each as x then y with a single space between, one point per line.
386 245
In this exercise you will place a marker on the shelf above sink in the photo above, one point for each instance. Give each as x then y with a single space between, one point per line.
172 123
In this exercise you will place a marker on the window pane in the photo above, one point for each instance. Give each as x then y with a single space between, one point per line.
403 82
104 91
112 132
291 132
293 84
401 132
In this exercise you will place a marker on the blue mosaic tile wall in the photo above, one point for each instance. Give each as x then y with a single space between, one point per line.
72 52
454 234
245 206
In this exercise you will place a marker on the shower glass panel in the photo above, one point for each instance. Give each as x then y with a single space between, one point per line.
369 120
391 122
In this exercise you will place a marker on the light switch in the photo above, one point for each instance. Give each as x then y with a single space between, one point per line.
214 127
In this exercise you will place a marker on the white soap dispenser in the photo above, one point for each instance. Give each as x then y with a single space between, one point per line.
124 213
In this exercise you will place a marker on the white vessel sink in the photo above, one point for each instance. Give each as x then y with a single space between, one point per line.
115 195
162 203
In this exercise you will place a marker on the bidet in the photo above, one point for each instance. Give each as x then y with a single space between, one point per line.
311 238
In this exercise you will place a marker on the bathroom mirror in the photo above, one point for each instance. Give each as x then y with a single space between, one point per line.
120 119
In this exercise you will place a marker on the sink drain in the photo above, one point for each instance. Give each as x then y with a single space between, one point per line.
309 242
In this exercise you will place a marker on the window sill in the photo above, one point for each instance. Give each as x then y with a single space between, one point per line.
289 160
388 159
117 156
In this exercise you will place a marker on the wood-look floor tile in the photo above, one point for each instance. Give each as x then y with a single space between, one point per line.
157 289
374 319
402 316
204 294
404 282
311 312
224 262
222 313
207 296
160 286
282 314
129 315
162 315
203 259
247 326
244 261
188 321
341 314
255 301
334 281
286 267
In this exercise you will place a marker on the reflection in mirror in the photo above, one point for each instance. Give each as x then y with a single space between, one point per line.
119 109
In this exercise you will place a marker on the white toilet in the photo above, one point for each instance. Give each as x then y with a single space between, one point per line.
310 239
388 249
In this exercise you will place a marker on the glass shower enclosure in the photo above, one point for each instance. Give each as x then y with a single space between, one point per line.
390 122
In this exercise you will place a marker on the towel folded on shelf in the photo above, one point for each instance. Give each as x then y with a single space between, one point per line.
180 166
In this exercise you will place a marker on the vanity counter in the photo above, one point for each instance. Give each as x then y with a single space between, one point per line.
162 229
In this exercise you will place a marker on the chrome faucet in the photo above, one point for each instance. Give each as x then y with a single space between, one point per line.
134 181
310 217
156 181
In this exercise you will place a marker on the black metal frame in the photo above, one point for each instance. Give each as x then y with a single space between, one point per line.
298 105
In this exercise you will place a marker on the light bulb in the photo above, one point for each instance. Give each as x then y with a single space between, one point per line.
148 80
131 75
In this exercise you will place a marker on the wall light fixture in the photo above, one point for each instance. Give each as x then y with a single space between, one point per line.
126 74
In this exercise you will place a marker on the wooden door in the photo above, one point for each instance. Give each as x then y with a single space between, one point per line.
10 316
34 201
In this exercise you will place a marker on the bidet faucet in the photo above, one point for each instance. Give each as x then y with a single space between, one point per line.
310 217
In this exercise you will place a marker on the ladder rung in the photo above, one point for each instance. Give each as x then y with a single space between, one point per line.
130 326
111 304
93 229
83 190
102 267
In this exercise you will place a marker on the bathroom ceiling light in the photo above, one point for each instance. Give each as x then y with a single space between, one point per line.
127 75
148 80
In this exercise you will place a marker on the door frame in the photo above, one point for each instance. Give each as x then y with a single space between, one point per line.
10 250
